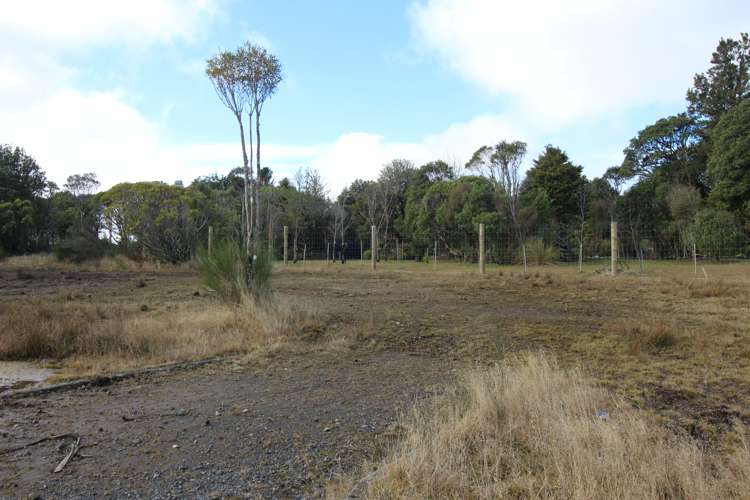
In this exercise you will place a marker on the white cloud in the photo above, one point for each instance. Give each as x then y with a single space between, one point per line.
566 60
79 22
362 155
74 132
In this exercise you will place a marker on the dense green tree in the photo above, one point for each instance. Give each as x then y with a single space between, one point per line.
20 175
560 180
725 84
668 149
729 163
16 223
160 220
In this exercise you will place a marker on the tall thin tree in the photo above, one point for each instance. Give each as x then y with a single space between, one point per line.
501 165
224 71
261 76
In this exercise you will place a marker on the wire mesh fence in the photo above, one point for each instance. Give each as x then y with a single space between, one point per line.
540 247
509 247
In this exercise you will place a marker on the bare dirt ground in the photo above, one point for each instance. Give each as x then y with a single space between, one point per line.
282 423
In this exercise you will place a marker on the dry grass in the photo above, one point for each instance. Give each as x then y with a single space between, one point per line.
119 263
648 336
530 430
717 288
105 337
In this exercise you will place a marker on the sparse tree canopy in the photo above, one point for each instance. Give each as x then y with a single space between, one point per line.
260 74
225 74
82 184
501 165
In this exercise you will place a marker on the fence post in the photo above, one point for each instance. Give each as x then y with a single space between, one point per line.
304 255
481 248
614 246
328 250
286 244
373 246
434 255
210 239
695 260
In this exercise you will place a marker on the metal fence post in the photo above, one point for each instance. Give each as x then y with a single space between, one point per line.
373 246
210 239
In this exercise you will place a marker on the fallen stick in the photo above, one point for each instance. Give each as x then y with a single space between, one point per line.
73 451
38 441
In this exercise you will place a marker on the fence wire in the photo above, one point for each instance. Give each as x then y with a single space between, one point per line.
508 247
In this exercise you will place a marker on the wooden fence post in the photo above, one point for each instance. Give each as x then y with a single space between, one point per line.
286 244
695 260
481 248
373 246
434 255
210 239
614 247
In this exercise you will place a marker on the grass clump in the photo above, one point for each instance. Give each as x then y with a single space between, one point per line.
649 336
540 254
232 274
531 430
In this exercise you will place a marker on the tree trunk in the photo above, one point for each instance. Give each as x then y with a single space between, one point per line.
257 165
248 228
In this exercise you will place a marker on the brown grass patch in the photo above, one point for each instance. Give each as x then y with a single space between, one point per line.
94 336
119 263
710 289
652 336
530 429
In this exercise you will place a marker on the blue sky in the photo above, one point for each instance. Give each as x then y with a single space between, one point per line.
119 89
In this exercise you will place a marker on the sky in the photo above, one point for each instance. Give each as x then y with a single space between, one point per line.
119 89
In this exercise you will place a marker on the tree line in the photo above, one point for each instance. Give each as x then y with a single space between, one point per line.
684 180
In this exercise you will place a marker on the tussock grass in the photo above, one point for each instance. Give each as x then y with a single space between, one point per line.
540 254
530 429
648 336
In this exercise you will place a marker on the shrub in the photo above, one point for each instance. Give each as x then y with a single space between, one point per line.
367 255
226 271
233 275
716 233
538 253
260 278
82 247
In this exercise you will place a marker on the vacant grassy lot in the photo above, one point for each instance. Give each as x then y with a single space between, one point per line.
666 341
112 315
